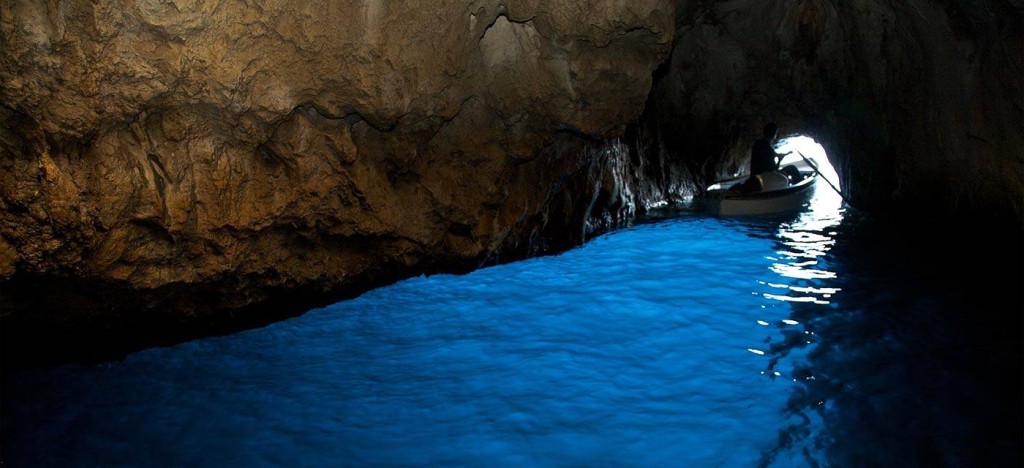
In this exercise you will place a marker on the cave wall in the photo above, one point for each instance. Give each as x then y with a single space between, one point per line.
918 103
204 155
162 162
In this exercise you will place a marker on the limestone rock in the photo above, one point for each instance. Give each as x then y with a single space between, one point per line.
174 167
206 155
918 103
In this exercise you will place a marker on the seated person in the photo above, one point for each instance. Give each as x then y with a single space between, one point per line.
763 158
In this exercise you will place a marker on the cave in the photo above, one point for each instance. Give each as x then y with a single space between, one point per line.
182 169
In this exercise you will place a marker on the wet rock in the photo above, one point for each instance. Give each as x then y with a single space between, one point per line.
177 168
199 157
917 103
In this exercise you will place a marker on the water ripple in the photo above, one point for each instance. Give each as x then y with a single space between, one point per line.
687 342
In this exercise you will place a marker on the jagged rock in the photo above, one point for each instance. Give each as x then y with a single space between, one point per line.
200 156
918 103
172 168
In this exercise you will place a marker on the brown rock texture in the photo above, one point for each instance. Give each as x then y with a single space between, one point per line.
186 157
171 168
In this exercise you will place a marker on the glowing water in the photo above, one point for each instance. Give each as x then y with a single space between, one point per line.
691 341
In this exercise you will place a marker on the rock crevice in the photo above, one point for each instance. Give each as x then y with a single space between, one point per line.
167 165
169 169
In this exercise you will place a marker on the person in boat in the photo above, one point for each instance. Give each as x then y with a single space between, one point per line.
763 158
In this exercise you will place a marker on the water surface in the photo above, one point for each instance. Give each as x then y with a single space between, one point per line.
813 340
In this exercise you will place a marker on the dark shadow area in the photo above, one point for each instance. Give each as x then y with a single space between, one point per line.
52 321
931 378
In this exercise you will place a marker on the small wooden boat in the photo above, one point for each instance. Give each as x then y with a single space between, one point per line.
770 193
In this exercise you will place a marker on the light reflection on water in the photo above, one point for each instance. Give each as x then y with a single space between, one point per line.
686 342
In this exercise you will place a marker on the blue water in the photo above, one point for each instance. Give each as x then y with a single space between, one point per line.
689 341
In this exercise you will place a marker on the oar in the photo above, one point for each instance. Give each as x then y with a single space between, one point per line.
815 167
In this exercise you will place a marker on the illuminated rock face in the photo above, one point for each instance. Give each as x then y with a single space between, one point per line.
304 144
165 161
919 103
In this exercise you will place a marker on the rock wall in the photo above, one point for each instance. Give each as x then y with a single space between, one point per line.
166 161
919 103
173 168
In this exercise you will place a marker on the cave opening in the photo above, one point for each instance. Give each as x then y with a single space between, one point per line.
801 147
803 152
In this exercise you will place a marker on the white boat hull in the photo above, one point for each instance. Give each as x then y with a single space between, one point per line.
725 200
